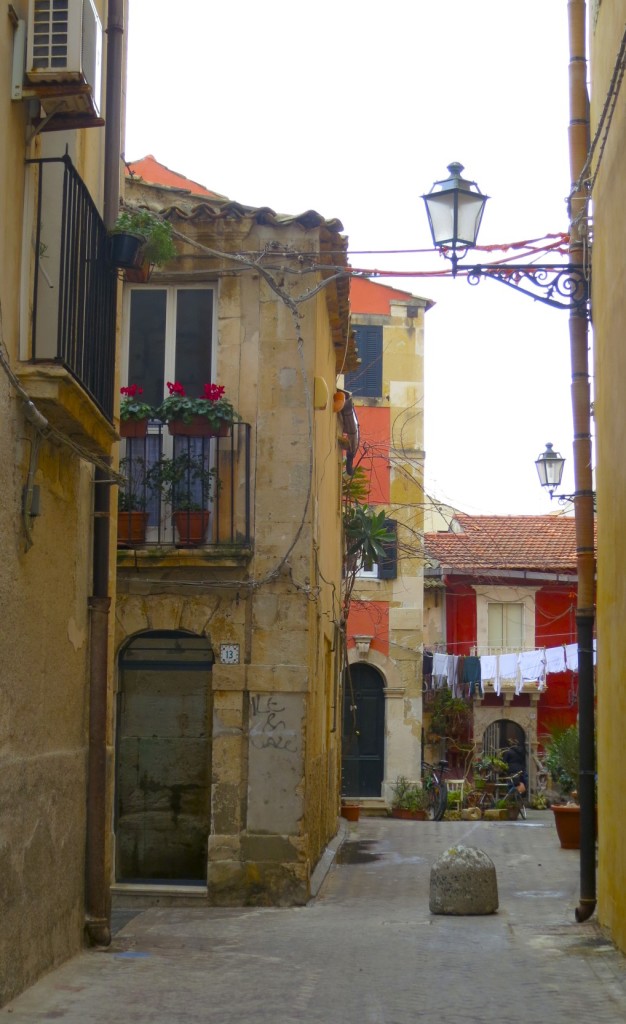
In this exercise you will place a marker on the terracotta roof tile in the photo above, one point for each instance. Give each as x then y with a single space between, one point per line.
371 297
150 170
483 543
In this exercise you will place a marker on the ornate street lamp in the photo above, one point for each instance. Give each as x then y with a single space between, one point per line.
455 209
550 469
455 206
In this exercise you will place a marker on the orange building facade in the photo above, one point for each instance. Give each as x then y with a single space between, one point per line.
382 719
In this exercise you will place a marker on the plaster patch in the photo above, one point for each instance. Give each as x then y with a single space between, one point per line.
76 635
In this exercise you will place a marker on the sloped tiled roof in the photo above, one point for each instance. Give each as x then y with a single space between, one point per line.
491 543
150 185
149 169
374 298
191 201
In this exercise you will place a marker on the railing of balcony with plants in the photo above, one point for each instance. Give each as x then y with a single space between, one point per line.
74 291
185 491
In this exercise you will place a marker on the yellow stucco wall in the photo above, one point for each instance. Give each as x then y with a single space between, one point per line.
44 640
609 314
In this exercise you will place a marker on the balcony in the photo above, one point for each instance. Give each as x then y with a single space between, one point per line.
70 373
177 484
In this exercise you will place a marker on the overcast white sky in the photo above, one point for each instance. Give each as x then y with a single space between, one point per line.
354 108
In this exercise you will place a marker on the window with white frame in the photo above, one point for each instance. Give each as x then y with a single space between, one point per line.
505 625
170 337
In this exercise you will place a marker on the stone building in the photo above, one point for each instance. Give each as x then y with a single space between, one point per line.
228 653
59 181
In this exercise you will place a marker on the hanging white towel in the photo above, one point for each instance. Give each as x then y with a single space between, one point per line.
440 669
555 659
571 657
451 669
508 669
533 668
489 671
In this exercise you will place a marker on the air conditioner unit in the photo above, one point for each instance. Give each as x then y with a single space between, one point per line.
64 55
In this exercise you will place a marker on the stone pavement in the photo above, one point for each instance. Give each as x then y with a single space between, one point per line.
365 950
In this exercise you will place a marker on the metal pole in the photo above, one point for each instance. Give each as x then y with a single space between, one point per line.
583 500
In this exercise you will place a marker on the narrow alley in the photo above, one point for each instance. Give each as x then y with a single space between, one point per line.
365 949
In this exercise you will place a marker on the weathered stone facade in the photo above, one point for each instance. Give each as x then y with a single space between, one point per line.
274 774
46 561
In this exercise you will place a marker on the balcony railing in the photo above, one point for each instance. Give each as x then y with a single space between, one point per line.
173 482
75 286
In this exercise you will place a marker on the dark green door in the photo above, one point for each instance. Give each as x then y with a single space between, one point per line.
363 742
163 759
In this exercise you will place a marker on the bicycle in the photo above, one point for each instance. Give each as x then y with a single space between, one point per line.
487 799
436 789
513 797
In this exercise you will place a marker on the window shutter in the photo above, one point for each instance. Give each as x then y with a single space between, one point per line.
367 381
388 566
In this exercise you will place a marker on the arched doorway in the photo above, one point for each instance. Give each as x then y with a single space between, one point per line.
163 761
499 734
363 738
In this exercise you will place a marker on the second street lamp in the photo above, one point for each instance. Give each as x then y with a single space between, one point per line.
550 469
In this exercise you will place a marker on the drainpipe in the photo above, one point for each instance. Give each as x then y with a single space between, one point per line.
583 500
97 881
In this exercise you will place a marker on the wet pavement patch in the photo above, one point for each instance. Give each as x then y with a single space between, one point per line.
357 852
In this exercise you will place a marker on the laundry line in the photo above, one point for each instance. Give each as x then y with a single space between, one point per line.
470 674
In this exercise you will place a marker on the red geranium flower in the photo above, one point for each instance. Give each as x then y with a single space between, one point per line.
131 390
176 389
213 392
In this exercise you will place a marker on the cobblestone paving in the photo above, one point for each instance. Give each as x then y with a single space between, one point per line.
365 950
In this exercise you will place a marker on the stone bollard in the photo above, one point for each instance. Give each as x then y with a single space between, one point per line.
463 881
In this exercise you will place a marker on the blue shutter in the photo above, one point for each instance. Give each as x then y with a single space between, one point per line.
388 566
367 381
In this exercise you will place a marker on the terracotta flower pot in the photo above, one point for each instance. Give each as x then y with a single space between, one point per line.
133 428
567 821
198 426
400 812
131 528
350 812
191 528
138 275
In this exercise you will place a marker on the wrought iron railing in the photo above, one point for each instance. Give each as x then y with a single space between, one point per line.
75 286
176 484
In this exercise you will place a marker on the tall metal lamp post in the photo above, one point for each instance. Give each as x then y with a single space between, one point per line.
455 208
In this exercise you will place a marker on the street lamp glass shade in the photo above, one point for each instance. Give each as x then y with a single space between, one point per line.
455 208
550 468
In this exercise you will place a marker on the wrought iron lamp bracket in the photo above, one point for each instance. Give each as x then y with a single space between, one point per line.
563 286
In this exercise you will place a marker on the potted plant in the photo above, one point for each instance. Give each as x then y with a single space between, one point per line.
185 483
134 414
139 241
561 761
366 535
486 769
132 518
449 717
350 809
210 415
409 800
